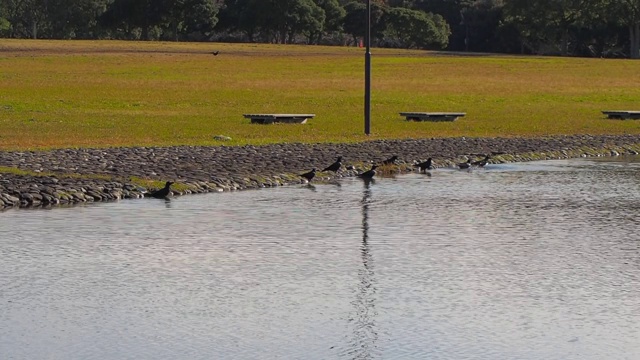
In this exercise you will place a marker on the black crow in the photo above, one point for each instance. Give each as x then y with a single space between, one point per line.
391 160
369 174
483 162
309 175
465 165
164 192
335 166
424 166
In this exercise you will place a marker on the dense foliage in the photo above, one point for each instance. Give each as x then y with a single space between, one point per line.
607 28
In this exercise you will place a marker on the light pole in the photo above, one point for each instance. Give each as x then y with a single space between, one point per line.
367 72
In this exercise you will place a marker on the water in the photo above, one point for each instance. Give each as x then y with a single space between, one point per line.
521 261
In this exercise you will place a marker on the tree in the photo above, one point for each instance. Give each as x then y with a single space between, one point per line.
481 21
450 11
75 18
184 17
28 18
354 20
416 29
308 19
281 20
5 27
240 15
5 15
545 23
128 15
334 17
627 12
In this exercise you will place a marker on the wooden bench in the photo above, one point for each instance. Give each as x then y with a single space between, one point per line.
432 116
622 114
279 118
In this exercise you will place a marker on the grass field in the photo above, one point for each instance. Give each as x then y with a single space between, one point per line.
105 93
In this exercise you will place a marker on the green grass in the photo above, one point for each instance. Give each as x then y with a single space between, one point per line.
21 172
16 171
145 183
156 184
57 94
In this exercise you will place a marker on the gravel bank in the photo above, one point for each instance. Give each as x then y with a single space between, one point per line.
67 176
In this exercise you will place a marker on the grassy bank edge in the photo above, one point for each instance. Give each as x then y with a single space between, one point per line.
261 180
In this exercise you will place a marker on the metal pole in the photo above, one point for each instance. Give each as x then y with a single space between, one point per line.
367 72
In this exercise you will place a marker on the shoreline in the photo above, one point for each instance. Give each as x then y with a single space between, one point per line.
42 179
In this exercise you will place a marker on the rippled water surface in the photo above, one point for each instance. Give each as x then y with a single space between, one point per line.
521 261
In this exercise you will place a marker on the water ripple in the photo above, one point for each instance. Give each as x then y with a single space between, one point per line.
516 261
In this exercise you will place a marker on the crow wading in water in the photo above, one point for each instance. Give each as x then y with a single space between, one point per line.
164 192
483 162
465 165
424 166
369 174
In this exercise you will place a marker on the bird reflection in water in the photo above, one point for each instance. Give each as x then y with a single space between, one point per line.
365 335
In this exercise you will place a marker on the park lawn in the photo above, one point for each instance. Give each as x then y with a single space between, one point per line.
56 94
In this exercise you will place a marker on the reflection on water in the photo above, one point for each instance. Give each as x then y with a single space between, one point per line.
516 261
364 327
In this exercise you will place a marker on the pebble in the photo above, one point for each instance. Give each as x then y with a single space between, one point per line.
67 176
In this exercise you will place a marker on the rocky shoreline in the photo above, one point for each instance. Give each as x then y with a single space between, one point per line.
68 176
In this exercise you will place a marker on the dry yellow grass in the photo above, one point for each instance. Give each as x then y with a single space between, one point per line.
111 93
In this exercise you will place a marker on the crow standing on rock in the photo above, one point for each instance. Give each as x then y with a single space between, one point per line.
335 166
309 175
390 161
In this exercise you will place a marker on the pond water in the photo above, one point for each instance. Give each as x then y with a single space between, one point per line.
537 260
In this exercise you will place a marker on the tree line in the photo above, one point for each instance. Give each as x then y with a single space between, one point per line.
598 28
